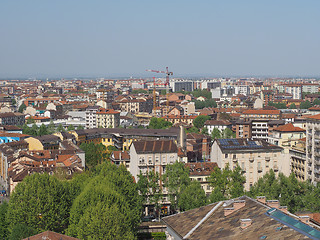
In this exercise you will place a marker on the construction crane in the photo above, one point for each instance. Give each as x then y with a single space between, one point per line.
167 80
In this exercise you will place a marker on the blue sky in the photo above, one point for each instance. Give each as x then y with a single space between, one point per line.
64 38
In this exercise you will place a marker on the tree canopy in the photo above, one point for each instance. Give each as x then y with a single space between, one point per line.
39 201
111 189
294 194
227 183
192 196
305 105
199 121
159 123
175 178
95 153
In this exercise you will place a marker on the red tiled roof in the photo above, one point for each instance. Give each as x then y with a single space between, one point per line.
317 117
261 111
288 128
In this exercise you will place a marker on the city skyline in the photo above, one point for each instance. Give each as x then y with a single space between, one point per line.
121 39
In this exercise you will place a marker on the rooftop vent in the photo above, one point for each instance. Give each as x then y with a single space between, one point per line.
244 223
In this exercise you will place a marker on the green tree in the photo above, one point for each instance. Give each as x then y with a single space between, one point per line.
136 91
316 102
22 108
95 153
51 128
80 127
192 130
13 101
113 190
293 106
71 128
43 130
192 196
205 131
3 220
60 128
228 133
30 120
159 123
175 178
34 130
104 222
21 231
40 201
305 105
199 121
295 194
215 134
150 190
228 182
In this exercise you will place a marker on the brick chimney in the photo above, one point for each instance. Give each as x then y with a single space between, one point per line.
239 204
228 211
262 199
236 206
273 203
304 219
245 223
283 209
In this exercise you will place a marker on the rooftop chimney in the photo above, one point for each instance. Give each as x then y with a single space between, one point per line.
236 206
273 203
283 209
244 223
239 204
261 199
304 219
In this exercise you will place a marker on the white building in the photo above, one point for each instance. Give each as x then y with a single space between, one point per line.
255 157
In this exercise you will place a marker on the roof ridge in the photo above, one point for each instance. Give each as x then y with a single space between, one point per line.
203 219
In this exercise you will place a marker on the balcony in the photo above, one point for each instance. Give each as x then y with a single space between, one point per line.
259 169
275 168
267 159
251 159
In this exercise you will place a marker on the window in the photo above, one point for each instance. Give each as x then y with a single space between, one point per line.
226 155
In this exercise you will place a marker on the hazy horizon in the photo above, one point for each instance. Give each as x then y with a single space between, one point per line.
77 38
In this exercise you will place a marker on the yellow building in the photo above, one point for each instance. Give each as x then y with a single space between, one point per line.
45 142
108 118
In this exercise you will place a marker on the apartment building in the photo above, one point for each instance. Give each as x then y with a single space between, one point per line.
11 118
201 171
313 148
295 90
298 159
218 124
261 114
107 118
286 136
91 117
255 157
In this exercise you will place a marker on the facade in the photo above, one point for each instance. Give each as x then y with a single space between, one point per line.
255 157
261 114
201 171
178 86
218 124
313 148
107 118
152 156
295 90
286 136
12 118
298 160
91 117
